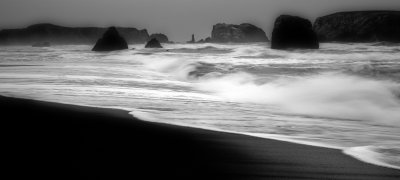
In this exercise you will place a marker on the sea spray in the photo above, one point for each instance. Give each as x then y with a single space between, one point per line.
178 68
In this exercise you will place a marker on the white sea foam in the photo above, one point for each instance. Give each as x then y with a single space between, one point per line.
147 116
370 155
141 115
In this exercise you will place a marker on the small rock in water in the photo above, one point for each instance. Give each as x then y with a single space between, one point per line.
153 43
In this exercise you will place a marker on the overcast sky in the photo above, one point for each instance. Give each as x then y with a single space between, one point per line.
178 19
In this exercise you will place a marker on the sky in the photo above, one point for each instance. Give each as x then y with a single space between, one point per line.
178 19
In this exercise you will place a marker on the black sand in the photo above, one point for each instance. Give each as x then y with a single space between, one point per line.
56 141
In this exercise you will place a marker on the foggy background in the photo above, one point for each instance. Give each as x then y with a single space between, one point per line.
178 19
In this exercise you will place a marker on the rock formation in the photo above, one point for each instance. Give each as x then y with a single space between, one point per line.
207 40
193 40
111 41
153 43
359 26
60 35
237 33
162 38
293 32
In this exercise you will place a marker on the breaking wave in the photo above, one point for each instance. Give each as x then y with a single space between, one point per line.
330 94
333 95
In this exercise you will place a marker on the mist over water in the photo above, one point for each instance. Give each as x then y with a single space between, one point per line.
343 95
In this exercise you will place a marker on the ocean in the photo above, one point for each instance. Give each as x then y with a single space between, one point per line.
343 96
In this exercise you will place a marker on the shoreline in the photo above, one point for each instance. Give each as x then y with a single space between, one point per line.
105 143
349 151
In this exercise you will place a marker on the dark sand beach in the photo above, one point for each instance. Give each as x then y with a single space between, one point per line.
55 141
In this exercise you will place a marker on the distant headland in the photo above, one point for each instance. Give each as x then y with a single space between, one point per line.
65 35
289 32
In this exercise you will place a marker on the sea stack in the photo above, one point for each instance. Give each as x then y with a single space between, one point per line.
111 41
293 32
359 26
153 43
162 38
242 33
193 40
